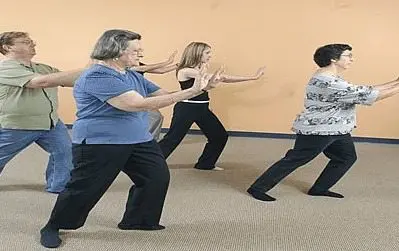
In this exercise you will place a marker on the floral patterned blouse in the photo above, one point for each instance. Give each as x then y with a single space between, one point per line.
330 104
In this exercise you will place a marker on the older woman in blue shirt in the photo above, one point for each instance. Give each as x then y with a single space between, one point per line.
111 135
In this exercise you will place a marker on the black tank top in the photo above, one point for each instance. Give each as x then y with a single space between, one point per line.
188 84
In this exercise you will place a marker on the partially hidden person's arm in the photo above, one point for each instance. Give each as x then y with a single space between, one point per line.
13 74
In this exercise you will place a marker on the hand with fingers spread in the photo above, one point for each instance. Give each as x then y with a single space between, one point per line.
214 80
204 81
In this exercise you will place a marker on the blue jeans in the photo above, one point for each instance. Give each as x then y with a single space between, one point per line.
55 141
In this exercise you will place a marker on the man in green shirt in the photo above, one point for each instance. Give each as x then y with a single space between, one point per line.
28 108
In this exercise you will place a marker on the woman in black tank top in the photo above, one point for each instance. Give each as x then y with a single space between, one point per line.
187 84
196 110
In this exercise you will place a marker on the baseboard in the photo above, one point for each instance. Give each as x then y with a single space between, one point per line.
284 136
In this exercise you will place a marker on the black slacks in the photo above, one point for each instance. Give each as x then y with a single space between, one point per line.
338 148
184 115
97 166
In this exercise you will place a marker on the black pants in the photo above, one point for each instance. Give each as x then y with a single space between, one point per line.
339 149
97 166
184 115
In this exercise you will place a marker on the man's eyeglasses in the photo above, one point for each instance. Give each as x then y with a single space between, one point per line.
27 42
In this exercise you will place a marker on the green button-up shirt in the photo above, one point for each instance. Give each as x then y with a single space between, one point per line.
26 108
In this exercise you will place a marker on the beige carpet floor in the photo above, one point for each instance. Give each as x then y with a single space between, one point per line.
209 210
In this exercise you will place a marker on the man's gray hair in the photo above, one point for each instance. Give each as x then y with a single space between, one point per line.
112 43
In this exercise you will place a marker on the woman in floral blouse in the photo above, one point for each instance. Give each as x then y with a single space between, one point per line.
325 124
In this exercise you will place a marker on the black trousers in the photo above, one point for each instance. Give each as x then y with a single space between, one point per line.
339 149
184 115
97 166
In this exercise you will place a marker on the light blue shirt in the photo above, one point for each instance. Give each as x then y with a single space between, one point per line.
100 123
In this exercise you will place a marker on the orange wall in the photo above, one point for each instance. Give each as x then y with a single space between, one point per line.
244 35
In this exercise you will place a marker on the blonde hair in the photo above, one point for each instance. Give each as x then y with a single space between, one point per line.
192 55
